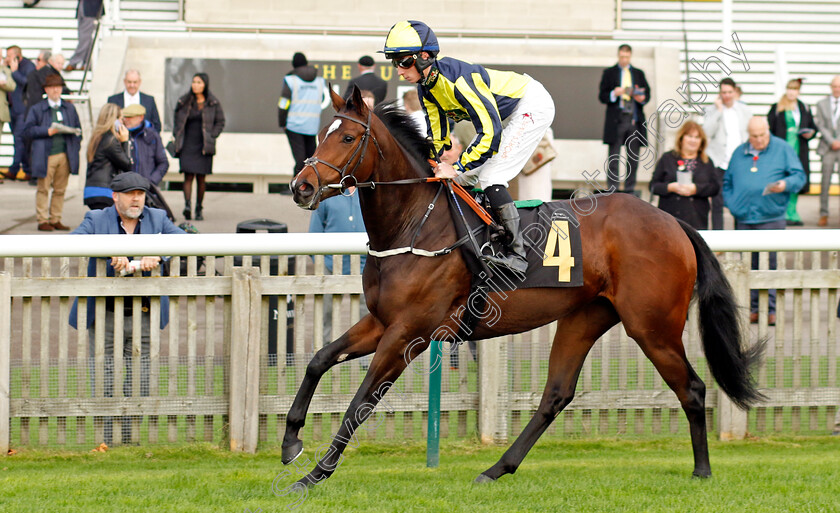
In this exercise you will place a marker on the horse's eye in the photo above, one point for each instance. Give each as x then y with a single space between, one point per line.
348 138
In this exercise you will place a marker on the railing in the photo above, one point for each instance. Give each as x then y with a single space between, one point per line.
209 374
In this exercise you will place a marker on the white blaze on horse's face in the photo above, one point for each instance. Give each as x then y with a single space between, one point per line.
333 128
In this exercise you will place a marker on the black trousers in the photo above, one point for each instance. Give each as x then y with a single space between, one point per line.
717 202
626 129
303 146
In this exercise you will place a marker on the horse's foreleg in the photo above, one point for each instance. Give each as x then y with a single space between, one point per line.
574 338
360 340
387 365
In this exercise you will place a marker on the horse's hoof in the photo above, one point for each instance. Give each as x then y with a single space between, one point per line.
292 452
701 474
484 478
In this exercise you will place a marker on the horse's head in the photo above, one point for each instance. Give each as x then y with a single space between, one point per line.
347 153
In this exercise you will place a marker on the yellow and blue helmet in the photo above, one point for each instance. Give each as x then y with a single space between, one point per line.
411 37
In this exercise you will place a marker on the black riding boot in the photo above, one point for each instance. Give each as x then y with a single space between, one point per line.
515 258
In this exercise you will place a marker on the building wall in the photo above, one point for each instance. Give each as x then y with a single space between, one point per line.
268 153
451 15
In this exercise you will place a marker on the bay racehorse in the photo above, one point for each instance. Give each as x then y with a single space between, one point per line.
640 267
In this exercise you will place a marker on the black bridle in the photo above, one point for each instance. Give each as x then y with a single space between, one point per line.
347 179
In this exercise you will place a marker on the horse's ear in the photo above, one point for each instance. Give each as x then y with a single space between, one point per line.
337 101
358 102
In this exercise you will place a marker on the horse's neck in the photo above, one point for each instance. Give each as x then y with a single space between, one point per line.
393 213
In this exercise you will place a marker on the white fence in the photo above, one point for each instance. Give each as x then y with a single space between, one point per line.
229 363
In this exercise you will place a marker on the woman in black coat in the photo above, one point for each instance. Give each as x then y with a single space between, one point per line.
107 156
199 120
791 120
685 178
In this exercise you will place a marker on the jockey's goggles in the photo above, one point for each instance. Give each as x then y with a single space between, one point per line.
405 62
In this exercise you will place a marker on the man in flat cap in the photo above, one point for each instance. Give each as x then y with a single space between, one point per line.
128 215
145 146
368 81
54 151
132 95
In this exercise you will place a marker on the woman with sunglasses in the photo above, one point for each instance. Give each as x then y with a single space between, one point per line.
458 90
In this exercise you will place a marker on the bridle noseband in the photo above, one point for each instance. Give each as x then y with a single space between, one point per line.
347 179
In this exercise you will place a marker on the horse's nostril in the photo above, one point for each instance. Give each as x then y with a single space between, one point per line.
303 187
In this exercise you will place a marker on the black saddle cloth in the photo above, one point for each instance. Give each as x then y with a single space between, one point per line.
552 243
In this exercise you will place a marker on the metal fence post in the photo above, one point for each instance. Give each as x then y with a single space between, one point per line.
244 395
732 421
5 358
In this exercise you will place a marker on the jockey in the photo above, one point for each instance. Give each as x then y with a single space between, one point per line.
510 113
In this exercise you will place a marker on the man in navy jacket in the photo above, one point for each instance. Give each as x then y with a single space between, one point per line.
132 95
147 154
128 215
21 67
54 155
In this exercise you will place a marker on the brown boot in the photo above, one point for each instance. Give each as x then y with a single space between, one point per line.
823 221
45 227
58 226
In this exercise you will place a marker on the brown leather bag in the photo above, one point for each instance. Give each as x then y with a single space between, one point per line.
544 154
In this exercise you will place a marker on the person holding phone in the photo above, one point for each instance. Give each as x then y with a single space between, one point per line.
107 156
625 91
791 120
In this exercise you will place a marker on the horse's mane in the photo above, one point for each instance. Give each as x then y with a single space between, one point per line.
404 129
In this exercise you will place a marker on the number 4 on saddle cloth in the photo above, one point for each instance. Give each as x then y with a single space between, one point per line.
552 245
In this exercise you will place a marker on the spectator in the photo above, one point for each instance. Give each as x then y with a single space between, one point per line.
147 154
510 111
48 64
299 108
199 119
87 12
338 214
368 81
725 122
762 174
625 91
55 155
133 96
828 123
107 156
685 178
7 85
411 104
20 67
791 120
126 216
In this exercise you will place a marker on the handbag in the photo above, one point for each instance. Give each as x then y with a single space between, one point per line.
170 148
544 154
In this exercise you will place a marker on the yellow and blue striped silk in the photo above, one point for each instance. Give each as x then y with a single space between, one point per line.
464 91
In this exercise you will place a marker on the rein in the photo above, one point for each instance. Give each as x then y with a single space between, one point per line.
454 189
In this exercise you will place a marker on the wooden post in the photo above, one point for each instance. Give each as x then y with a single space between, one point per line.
5 358
246 296
492 391
732 421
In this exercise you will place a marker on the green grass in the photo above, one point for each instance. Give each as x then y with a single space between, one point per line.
610 475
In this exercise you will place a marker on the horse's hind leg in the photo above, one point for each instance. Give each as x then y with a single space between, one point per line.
574 338
361 339
671 363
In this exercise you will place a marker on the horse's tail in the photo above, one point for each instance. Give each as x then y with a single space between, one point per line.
720 327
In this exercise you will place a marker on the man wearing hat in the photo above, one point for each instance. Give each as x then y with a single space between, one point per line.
128 215
146 147
368 81
132 95
299 109
54 151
